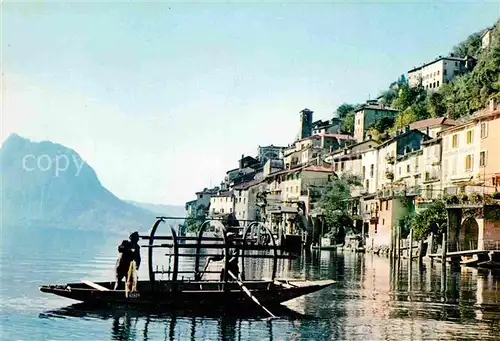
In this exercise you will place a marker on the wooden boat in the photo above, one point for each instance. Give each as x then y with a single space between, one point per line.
231 291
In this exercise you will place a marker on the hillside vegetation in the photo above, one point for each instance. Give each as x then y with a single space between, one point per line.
461 97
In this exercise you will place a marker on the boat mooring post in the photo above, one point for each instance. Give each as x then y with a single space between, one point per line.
444 247
410 254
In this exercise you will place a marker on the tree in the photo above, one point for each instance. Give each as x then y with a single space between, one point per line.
434 216
383 124
196 218
347 125
470 46
335 202
435 105
405 118
344 109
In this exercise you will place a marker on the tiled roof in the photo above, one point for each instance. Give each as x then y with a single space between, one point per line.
431 122
318 169
248 184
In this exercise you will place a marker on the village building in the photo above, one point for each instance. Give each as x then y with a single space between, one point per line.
432 188
289 197
313 148
433 126
360 159
202 201
433 75
470 175
272 152
332 126
366 116
222 204
245 197
398 179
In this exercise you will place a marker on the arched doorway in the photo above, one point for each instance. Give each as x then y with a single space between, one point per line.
468 236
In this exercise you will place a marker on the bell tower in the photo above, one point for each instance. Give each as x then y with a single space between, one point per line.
305 123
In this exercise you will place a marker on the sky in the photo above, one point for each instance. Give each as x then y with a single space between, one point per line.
161 99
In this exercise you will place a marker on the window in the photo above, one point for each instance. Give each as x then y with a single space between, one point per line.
454 141
230 210
407 168
221 210
363 172
438 72
372 167
470 136
367 184
381 206
244 200
437 84
336 166
387 205
383 221
399 170
484 130
468 162
482 159
341 166
444 72
297 189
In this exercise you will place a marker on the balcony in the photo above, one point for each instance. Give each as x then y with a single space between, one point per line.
431 177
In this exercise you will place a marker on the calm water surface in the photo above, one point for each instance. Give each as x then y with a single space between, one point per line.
372 300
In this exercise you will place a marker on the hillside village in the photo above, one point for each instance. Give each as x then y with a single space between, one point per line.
403 166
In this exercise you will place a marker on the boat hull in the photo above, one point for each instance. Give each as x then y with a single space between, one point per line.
172 295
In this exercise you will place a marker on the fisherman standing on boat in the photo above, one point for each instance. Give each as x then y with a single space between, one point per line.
129 251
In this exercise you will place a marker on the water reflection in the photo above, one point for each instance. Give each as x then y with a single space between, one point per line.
131 324
373 298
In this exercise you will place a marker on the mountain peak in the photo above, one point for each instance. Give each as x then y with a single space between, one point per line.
48 184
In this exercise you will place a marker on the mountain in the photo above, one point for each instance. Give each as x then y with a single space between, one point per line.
161 210
45 184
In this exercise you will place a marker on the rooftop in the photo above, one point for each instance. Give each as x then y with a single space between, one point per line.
248 184
437 60
328 136
375 107
431 122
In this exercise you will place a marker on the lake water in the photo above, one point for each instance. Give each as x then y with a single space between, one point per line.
370 301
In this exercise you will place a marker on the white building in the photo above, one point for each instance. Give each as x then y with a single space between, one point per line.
222 203
438 72
431 178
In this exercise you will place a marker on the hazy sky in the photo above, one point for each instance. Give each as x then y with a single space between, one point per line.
162 99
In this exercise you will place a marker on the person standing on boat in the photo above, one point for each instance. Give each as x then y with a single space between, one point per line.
128 252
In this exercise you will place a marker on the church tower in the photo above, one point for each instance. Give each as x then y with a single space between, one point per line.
305 123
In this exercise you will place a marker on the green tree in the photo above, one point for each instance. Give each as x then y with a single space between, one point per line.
405 118
435 215
335 200
347 124
470 46
436 105
344 109
383 124
195 219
